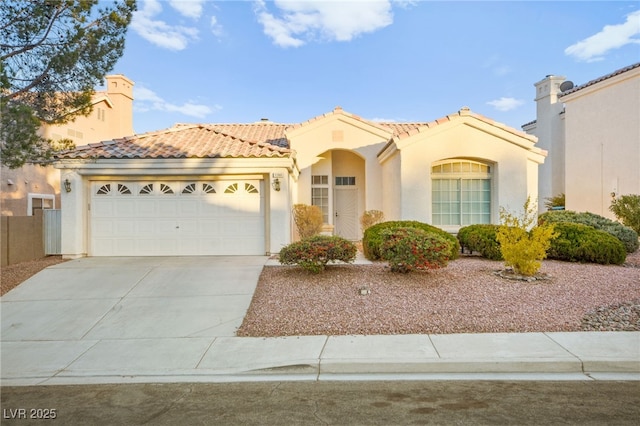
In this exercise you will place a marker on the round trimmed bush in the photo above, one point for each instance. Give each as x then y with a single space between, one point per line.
315 252
372 238
481 239
626 235
407 249
581 243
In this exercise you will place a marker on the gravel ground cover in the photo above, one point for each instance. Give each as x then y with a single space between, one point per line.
464 297
13 275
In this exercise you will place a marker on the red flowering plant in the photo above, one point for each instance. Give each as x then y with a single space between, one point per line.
315 252
408 249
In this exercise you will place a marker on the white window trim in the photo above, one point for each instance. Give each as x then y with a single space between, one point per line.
461 176
31 196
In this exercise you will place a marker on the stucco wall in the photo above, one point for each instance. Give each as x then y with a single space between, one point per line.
603 143
391 187
337 132
111 117
513 167
549 128
25 180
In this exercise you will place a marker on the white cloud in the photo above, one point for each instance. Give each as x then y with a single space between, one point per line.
505 104
611 37
188 8
495 63
172 37
147 100
216 28
302 20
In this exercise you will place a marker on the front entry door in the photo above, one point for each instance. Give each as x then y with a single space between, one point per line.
346 213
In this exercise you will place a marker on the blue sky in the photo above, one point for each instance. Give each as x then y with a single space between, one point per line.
202 61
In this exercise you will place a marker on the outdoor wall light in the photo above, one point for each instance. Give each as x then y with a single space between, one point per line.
67 185
276 184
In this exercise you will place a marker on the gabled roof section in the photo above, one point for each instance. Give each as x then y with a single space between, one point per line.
392 128
600 79
463 114
466 112
182 141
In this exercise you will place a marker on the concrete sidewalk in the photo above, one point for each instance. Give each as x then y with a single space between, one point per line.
525 356
155 320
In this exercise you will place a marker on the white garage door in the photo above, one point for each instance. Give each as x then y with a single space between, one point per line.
158 218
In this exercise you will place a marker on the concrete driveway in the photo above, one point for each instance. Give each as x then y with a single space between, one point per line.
158 320
136 312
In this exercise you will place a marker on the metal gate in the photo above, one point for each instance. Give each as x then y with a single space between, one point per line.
51 229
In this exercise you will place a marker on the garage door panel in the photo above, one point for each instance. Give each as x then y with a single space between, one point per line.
102 227
102 208
103 247
124 227
125 246
188 208
176 218
168 207
165 227
124 207
145 206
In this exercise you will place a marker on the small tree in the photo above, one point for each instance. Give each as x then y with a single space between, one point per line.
52 55
522 244
627 210
370 218
308 220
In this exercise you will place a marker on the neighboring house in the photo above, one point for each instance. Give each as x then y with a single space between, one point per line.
592 134
216 189
34 187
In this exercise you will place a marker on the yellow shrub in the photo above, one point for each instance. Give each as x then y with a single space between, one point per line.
370 218
308 220
522 244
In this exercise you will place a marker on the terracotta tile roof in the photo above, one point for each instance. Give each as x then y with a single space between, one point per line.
599 79
394 128
465 112
262 131
237 140
185 141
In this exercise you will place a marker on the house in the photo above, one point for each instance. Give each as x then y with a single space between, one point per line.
592 134
33 187
213 189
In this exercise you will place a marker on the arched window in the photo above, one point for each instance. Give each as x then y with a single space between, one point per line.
461 192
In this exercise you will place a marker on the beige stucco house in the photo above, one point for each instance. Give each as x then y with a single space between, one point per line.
210 189
34 187
592 134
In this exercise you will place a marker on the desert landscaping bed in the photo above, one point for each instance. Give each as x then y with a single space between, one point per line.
13 275
464 297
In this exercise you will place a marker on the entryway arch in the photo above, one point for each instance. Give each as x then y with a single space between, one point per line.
338 188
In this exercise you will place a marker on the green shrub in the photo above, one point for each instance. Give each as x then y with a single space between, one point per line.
308 220
628 236
627 210
482 239
370 218
407 249
555 202
523 245
582 243
315 252
372 239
